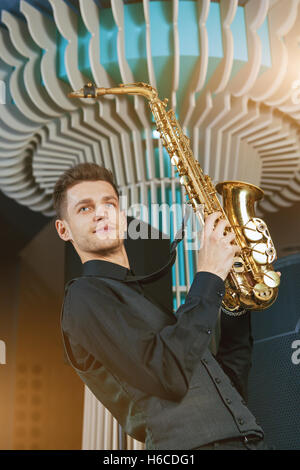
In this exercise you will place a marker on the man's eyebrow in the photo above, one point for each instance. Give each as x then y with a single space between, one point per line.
89 200
107 198
83 201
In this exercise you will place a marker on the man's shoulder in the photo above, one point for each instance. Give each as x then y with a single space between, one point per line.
82 294
83 285
77 283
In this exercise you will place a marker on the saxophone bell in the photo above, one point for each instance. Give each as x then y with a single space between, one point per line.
259 282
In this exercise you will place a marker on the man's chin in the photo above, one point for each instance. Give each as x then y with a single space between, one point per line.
100 246
106 235
107 246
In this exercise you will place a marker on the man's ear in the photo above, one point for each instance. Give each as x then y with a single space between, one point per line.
63 230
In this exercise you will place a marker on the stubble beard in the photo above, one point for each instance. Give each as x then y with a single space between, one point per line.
105 247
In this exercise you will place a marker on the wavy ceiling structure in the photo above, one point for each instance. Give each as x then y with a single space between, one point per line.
228 71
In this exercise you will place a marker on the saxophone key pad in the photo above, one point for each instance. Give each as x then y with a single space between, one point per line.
271 279
184 180
238 264
251 231
262 292
259 253
175 160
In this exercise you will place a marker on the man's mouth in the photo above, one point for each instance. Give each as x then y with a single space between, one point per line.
103 228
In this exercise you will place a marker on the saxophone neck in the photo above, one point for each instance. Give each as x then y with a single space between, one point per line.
90 90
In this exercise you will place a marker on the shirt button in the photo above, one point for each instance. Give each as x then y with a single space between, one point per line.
243 402
241 421
220 294
217 380
208 332
228 401
204 361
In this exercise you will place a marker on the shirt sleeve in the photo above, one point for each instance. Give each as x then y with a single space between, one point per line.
157 362
235 350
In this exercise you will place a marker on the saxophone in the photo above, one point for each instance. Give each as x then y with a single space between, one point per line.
252 283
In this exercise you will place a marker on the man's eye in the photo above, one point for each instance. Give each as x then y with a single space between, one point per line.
110 204
82 209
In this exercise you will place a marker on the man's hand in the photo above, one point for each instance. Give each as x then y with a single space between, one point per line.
217 250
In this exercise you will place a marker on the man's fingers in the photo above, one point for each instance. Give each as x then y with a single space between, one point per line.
220 227
236 249
230 236
210 221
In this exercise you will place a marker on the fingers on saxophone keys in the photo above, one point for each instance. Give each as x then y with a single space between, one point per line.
210 221
220 227
230 236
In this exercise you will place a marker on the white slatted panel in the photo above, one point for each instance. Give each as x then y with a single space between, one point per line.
30 45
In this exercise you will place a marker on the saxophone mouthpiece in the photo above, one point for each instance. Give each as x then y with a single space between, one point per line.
76 94
88 91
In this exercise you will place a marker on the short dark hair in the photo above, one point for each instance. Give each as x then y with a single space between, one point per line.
77 174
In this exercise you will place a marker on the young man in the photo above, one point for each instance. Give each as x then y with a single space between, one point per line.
153 370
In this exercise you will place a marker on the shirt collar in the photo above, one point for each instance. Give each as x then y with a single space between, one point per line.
103 268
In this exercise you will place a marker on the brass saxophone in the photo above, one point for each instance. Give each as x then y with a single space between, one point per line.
252 283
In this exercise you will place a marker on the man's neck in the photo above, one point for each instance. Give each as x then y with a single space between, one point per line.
119 257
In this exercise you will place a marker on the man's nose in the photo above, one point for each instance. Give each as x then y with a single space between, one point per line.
101 213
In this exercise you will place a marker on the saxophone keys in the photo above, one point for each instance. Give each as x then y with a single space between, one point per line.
238 264
271 279
261 227
184 180
262 292
252 232
259 253
271 252
175 160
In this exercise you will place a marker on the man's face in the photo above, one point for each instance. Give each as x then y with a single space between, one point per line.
93 220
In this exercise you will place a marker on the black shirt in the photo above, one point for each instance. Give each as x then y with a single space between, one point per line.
160 357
